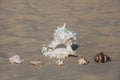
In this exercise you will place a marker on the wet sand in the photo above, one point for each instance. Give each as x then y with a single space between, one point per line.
25 25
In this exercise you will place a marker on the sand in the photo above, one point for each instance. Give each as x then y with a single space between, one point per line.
25 25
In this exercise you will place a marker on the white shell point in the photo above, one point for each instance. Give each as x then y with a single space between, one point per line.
60 62
37 63
16 59
82 61
61 36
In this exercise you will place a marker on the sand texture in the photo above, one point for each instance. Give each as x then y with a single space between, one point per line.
25 25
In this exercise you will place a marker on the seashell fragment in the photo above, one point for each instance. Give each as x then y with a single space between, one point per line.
83 61
101 58
60 62
37 63
16 59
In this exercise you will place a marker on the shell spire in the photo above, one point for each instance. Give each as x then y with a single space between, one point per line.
64 25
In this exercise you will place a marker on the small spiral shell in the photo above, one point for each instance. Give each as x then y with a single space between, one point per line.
101 58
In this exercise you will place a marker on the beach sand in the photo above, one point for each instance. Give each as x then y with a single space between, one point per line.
25 25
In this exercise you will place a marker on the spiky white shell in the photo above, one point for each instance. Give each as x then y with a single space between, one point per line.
15 59
61 36
60 62
37 63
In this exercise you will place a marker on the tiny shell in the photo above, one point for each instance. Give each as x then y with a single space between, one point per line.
60 62
37 63
83 61
16 59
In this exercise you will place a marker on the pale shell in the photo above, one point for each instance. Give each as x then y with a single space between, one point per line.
83 61
15 59
37 63
60 62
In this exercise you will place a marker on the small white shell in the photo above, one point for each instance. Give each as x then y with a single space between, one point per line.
82 61
60 62
16 59
37 63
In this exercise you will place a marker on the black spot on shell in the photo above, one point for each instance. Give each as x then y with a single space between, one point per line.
74 47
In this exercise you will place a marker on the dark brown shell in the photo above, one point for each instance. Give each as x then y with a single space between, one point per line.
101 58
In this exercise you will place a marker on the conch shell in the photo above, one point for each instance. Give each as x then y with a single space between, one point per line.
61 36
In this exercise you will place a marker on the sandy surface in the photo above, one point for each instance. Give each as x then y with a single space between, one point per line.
26 24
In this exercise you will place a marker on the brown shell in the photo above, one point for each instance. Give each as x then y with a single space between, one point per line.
101 58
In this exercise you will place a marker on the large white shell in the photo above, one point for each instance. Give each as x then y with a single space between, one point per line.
82 61
15 59
60 62
61 36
